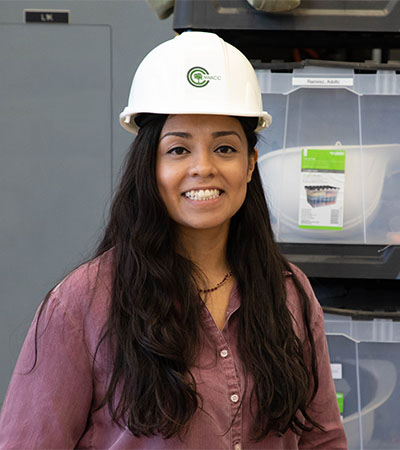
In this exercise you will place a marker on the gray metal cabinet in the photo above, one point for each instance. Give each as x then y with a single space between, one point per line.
62 87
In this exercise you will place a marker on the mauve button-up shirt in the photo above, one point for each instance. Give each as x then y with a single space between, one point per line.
53 406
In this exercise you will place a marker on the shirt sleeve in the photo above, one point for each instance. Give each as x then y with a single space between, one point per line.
324 408
48 406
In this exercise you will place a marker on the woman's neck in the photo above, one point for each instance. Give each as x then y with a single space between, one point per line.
207 250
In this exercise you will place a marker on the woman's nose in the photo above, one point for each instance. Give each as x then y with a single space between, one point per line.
202 164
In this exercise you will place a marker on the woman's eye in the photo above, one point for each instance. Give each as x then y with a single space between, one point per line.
177 151
226 149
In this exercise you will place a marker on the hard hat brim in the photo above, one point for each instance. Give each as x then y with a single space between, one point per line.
127 118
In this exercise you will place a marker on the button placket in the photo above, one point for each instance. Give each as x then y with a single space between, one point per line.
227 362
228 367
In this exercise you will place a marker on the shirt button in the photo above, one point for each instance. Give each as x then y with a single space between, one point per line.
237 446
235 398
224 353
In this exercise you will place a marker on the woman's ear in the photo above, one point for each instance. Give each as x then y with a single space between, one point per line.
252 163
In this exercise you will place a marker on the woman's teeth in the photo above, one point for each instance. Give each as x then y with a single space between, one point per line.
203 194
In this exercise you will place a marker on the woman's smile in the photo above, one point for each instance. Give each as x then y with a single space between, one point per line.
203 194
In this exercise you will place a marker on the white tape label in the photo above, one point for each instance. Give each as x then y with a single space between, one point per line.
322 82
336 371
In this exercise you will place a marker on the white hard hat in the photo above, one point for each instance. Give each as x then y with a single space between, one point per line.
195 73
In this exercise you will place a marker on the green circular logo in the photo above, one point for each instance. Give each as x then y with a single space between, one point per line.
196 77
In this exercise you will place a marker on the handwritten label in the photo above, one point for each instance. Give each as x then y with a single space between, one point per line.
322 82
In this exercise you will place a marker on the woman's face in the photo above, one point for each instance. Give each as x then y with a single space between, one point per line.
202 169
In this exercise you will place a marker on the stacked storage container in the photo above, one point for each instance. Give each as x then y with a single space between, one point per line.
335 108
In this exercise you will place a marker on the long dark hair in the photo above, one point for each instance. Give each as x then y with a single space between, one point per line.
154 323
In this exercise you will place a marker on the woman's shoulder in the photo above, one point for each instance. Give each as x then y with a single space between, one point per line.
93 274
86 291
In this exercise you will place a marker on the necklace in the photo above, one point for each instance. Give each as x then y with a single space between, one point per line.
224 280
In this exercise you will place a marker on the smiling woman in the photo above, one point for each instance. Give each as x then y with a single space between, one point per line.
188 329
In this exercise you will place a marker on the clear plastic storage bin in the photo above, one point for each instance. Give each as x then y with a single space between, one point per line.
334 108
368 355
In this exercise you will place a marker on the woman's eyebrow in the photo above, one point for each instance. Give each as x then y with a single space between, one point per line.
215 134
181 134
225 133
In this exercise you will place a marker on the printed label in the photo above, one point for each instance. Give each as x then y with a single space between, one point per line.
322 189
46 16
336 370
322 82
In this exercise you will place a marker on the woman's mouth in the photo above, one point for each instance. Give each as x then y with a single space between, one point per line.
203 194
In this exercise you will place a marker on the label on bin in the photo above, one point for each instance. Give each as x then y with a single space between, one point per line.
322 82
336 370
322 189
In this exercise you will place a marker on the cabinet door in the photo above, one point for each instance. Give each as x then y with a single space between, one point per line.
55 163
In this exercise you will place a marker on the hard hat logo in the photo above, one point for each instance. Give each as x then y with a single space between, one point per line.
196 77
199 77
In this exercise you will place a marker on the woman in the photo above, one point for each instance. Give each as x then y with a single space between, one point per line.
188 329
